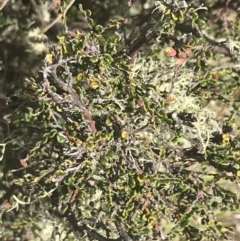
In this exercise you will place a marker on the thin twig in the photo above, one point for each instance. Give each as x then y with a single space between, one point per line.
122 232
3 4
58 17
235 92
36 8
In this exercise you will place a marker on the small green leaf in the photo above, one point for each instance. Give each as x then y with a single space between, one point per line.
110 155
103 160
191 10
45 138
107 59
194 16
99 28
93 59
201 24
88 13
27 118
52 133
132 183
60 138
79 77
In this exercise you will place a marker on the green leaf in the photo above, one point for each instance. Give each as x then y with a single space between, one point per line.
103 160
52 133
88 13
94 59
201 24
27 118
60 138
107 59
45 138
99 28
194 16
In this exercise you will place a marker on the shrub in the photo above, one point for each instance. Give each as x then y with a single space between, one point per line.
118 144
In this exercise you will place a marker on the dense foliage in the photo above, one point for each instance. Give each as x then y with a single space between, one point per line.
109 133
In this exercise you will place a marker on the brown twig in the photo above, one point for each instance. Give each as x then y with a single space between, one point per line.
138 44
8 194
235 92
3 4
58 17
36 8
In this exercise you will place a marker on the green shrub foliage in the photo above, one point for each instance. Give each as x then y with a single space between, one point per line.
117 143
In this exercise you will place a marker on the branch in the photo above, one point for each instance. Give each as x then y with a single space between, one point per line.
3 4
6 196
92 233
58 17
122 232
193 153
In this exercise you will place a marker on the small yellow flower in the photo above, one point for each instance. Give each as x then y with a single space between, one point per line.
225 140
124 134
238 173
224 230
48 58
94 84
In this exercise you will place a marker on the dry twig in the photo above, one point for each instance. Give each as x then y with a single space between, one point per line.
3 4
58 17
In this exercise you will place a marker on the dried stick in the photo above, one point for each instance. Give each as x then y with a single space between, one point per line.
3 4
58 17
